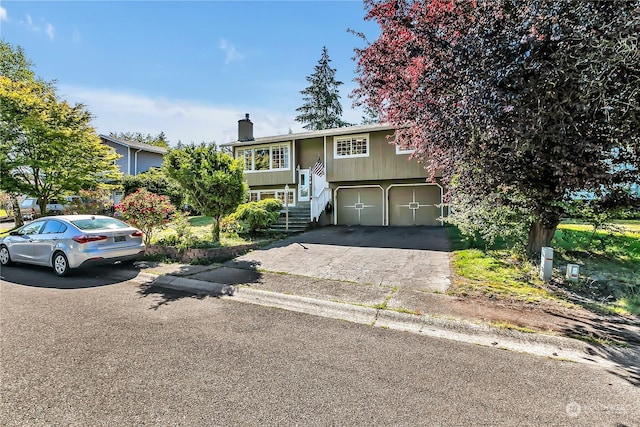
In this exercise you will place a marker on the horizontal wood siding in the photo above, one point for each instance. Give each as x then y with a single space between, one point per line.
382 163
122 162
261 179
146 161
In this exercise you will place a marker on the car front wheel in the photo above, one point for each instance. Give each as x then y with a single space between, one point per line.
5 258
60 264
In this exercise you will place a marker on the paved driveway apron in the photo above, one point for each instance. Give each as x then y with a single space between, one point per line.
415 258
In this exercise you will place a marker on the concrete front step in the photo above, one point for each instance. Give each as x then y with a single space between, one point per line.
298 218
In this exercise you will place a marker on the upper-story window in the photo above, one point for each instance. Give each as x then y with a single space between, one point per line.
265 157
404 150
351 146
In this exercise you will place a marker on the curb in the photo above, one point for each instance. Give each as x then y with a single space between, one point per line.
554 347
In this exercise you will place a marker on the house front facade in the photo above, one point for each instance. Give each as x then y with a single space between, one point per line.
345 176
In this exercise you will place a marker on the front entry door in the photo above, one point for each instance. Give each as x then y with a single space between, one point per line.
304 186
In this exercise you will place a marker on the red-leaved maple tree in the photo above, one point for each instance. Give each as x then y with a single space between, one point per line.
527 102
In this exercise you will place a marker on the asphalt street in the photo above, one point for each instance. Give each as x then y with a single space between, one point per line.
107 349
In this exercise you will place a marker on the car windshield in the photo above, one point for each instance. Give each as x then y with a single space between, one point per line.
99 224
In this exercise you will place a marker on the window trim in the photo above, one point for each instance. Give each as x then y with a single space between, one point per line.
278 193
336 139
240 154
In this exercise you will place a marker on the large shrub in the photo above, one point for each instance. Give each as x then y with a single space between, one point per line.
155 181
213 180
146 211
254 216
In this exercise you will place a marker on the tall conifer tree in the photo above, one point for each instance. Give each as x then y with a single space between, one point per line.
321 108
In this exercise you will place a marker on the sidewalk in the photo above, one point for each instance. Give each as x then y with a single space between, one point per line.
430 314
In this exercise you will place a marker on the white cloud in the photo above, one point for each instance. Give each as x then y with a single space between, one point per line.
76 37
3 14
45 27
50 31
230 51
183 120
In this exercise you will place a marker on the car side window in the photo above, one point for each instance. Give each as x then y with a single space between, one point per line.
32 228
53 227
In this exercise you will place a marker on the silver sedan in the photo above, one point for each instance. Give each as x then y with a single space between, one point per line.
67 242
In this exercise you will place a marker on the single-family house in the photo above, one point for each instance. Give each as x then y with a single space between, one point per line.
136 157
343 176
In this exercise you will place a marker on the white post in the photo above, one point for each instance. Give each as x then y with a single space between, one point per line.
286 207
573 272
546 263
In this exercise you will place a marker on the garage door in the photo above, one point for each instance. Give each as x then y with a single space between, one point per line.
360 206
414 205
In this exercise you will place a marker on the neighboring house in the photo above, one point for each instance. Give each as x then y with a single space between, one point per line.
137 157
345 176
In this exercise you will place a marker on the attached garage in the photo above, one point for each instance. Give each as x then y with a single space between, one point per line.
414 204
359 205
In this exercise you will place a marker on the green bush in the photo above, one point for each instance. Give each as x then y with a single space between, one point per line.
254 216
230 225
155 181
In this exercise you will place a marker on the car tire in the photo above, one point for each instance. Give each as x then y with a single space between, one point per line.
60 264
5 256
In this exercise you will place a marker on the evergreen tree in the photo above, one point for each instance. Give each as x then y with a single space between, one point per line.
159 140
370 116
321 108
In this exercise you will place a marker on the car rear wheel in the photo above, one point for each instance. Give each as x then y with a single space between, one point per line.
60 264
5 257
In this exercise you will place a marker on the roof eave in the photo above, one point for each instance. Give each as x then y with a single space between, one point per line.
311 134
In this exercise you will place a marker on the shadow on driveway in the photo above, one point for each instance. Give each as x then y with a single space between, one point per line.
419 237
225 277
165 295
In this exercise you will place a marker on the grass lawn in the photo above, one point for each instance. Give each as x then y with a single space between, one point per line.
609 269
200 227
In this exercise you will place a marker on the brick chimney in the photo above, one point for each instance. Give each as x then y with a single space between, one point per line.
245 129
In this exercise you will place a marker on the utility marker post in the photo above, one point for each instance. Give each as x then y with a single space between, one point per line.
546 263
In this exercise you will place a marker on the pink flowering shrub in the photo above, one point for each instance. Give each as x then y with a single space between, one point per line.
145 210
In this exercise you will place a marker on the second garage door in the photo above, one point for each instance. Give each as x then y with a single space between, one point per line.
360 206
414 205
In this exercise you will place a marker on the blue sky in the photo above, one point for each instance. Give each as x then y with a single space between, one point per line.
189 69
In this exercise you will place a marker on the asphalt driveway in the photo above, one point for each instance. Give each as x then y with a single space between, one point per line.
415 258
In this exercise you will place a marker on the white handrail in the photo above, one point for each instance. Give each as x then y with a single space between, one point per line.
319 202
